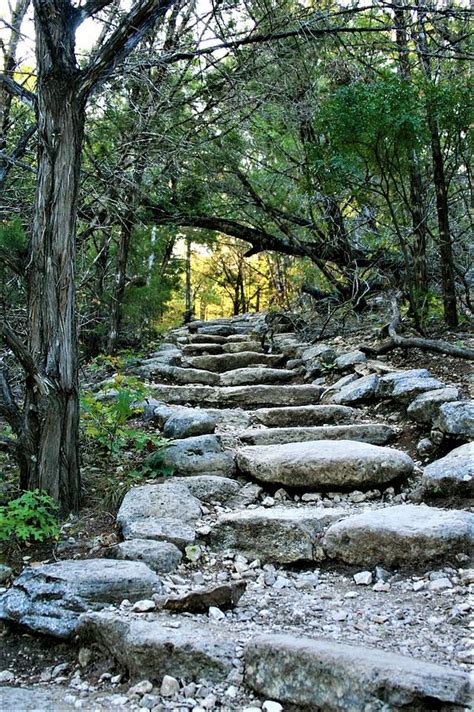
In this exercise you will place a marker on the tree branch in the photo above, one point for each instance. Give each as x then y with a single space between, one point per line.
128 34
396 341
8 161
15 89
8 445
21 353
90 8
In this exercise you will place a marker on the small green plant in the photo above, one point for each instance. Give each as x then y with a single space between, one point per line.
32 516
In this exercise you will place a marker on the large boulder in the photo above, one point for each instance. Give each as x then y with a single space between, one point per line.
327 675
324 463
456 419
425 407
347 361
278 534
361 391
151 649
210 488
375 433
303 415
452 474
49 599
182 376
406 534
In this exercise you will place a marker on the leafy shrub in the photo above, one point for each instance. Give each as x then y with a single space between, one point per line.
30 516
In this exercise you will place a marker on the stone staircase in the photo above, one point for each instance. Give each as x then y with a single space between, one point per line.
288 485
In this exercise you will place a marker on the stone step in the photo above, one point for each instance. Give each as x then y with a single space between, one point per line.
199 349
206 339
227 362
278 534
183 376
247 397
406 534
303 415
257 376
365 432
328 675
325 463
235 347
150 649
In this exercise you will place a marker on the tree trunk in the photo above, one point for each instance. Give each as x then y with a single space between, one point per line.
119 285
51 413
188 313
442 203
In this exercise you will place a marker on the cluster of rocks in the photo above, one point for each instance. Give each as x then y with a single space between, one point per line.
275 463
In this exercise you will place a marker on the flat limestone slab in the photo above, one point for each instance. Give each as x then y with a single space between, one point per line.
246 397
303 415
365 432
279 534
49 599
406 534
324 463
325 675
149 649
229 361
183 376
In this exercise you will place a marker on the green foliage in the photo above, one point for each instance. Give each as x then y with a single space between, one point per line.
32 516
12 235
104 420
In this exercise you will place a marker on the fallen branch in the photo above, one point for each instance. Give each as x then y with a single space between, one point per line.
395 341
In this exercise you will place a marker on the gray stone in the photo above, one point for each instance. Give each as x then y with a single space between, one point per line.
207 339
360 391
365 432
227 362
403 386
346 361
319 354
148 367
203 454
168 500
150 649
243 396
456 419
322 674
161 556
49 599
279 534
186 425
452 474
210 488
425 408
306 415
245 345
261 375
406 534
324 463
163 529
5 573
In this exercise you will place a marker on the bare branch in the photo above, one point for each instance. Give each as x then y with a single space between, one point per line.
15 89
16 345
8 406
8 161
128 34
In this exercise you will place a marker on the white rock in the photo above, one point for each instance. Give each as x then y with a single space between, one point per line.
363 578
216 613
271 706
440 584
143 606
169 686
141 688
